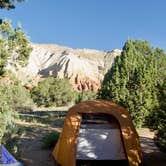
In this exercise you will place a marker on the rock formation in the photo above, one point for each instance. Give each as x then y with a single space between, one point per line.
85 68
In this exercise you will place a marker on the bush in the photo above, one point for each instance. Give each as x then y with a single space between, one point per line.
158 121
11 142
52 92
13 98
6 113
84 96
21 98
160 137
50 140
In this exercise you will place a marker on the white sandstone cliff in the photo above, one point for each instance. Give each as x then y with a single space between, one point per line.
85 68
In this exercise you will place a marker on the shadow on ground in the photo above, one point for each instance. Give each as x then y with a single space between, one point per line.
31 152
152 156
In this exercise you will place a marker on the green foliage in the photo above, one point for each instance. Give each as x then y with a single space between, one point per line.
21 99
14 98
84 96
132 81
160 136
157 120
8 4
50 140
6 113
14 46
52 92
137 81
11 141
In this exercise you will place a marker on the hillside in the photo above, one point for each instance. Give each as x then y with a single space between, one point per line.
85 68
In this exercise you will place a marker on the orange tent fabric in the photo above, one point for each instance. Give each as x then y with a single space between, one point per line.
65 151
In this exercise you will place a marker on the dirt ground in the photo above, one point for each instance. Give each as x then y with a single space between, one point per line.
31 152
33 155
152 156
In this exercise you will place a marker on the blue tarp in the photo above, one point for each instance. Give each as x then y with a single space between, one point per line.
6 157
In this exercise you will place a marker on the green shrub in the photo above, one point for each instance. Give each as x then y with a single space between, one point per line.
50 140
11 141
52 92
13 98
84 96
159 119
160 137
21 98
6 113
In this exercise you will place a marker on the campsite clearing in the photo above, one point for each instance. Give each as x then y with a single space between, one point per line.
33 155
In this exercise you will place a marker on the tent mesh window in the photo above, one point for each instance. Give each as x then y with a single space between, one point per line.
99 141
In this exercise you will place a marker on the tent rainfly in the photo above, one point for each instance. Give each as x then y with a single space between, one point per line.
98 130
6 159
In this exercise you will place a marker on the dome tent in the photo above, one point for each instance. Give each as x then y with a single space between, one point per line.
6 159
68 149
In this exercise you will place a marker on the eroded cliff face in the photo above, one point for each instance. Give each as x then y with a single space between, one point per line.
85 68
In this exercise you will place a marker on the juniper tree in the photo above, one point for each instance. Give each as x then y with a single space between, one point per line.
132 80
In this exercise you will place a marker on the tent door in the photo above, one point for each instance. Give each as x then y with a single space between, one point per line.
99 139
